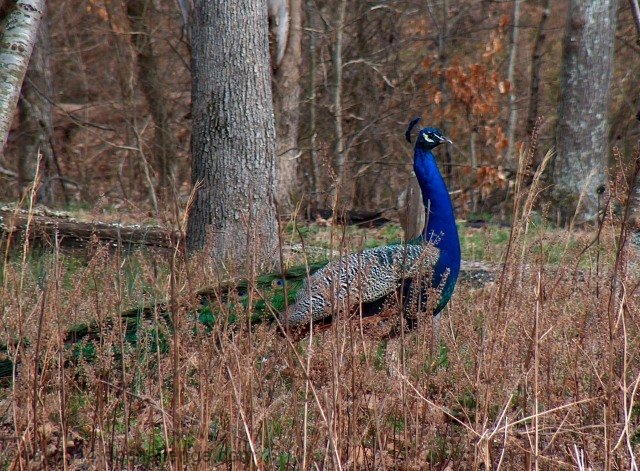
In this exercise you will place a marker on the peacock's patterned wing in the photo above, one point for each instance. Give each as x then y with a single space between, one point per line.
359 277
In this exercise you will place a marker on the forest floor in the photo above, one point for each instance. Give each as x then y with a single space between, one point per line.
539 369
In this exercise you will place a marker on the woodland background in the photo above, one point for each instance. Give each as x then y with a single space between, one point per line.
107 101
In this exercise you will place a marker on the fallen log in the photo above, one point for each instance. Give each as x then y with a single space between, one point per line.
45 227
349 217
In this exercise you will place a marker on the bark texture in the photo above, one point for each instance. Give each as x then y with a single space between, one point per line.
233 141
582 130
36 122
20 35
286 99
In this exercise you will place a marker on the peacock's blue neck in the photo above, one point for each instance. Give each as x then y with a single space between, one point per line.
440 222
440 227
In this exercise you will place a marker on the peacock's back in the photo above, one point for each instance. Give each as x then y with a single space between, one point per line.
361 277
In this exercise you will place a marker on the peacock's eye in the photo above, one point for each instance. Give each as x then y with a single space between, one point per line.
429 137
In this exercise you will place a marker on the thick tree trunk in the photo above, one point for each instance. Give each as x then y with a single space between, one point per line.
286 100
233 141
151 85
582 127
36 123
20 35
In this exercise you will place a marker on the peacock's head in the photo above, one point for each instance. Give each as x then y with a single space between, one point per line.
428 138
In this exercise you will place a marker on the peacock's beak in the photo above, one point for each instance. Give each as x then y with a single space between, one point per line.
445 139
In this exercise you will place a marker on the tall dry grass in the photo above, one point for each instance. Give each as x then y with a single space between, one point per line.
539 370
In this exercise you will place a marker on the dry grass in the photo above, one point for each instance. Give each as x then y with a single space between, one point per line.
540 370
549 341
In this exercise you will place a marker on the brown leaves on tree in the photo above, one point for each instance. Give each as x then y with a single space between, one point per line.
489 178
470 96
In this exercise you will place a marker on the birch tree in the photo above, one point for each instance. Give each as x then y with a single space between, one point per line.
20 33
36 123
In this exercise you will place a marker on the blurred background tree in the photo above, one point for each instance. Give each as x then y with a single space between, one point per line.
582 129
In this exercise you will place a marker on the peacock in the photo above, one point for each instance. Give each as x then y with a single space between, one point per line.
407 272
371 279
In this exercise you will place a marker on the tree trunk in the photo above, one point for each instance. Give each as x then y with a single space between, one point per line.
151 85
337 102
635 197
536 67
635 9
286 100
138 164
582 128
233 140
36 123
511 159
20 35
443 38
278 12
312 19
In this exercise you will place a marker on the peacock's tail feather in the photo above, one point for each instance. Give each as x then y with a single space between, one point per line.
263 298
